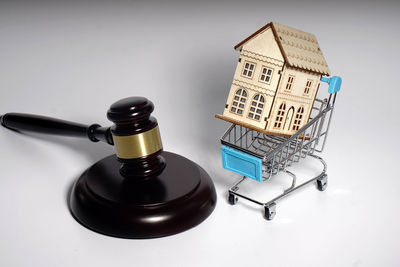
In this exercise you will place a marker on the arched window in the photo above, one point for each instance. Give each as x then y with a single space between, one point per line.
298 118
256 108
279 116
239 101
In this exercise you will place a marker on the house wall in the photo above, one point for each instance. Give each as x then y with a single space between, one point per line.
263 51
295 97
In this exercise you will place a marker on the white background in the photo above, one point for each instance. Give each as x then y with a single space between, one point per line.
72 60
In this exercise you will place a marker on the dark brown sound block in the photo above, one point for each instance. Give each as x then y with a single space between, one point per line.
179 198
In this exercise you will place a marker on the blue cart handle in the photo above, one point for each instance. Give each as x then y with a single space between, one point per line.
334 82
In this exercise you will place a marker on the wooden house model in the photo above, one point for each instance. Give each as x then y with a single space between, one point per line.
276 80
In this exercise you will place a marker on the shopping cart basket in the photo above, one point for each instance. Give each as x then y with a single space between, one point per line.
260 156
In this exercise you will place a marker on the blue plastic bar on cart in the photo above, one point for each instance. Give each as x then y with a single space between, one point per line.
242 163
334 82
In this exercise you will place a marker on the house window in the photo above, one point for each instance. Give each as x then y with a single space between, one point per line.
290 82
308 87
239 101
266 74
279 116
256 108
248 69
298 118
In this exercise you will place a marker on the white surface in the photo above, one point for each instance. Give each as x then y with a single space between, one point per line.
72 60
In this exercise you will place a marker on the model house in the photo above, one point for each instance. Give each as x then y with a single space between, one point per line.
276 80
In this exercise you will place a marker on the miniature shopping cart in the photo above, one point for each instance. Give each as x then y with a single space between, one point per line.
260 156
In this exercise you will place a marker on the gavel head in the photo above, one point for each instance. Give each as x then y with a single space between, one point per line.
136 138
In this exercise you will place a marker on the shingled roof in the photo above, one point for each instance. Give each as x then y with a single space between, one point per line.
299 49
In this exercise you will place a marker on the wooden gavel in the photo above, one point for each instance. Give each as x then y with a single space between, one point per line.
142 191
135 134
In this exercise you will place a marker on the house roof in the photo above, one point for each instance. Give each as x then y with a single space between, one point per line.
299 49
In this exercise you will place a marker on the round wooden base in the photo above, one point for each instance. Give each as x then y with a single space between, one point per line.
179 198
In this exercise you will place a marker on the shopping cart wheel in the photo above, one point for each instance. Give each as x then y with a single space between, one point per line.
270 211
322 182
232 199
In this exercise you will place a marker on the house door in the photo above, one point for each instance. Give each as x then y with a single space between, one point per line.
288 120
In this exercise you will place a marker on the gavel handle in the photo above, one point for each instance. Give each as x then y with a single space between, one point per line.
47 125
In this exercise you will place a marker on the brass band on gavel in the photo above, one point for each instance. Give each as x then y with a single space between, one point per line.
138 145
